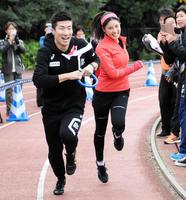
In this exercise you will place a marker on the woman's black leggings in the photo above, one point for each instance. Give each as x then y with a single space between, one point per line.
103 102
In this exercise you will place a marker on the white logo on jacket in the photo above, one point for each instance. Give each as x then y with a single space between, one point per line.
54 64
52 56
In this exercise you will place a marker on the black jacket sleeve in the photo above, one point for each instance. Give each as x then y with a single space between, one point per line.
168 55
178 49
91 56
41 78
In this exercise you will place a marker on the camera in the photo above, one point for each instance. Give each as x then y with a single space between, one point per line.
16 39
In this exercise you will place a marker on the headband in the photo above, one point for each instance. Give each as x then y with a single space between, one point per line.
107 16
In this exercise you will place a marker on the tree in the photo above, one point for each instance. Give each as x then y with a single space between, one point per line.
31 15
137 18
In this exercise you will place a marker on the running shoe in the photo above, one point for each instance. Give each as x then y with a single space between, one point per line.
181 163
59 189
171 139
70 163
118 142
177 156
163 134
102 173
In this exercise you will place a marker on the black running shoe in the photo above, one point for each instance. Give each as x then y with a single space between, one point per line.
70 163
118 142
102 173
59 189
163 133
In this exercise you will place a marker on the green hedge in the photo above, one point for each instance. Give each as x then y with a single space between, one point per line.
29 57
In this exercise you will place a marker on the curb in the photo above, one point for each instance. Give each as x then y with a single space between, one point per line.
160 162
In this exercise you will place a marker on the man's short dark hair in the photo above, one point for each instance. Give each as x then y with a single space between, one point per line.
165 12
60 16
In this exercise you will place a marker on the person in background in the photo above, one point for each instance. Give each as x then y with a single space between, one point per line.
60 63
167 91
79 32
113 87
174 49
12 67
47 29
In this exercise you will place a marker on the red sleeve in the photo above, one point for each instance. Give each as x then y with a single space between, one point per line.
109 68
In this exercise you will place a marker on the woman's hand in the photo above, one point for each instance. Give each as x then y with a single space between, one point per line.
138 65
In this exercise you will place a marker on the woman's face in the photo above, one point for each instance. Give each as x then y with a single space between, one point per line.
181 19
11 30
113 29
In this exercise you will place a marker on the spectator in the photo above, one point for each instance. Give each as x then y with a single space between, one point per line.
12 67
48 29
79 32
175 53
167 91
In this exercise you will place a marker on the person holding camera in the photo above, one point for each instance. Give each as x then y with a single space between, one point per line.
12 67
168 90
174 49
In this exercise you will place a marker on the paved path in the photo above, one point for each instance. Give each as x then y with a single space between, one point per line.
26 175
175 175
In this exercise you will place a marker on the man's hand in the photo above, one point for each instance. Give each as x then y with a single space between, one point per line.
75 75
88 70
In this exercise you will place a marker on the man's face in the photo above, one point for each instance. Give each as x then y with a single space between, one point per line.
62 34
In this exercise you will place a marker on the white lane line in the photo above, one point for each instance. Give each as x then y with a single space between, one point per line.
40 189
10 123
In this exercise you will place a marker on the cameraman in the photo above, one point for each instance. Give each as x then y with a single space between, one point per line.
167 90
12 67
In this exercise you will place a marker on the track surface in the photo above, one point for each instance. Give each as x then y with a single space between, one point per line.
26 175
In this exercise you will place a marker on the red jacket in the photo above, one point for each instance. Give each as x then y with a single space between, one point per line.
114 69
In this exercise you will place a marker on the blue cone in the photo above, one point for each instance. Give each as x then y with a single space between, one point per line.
18 109
2 93
151 79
